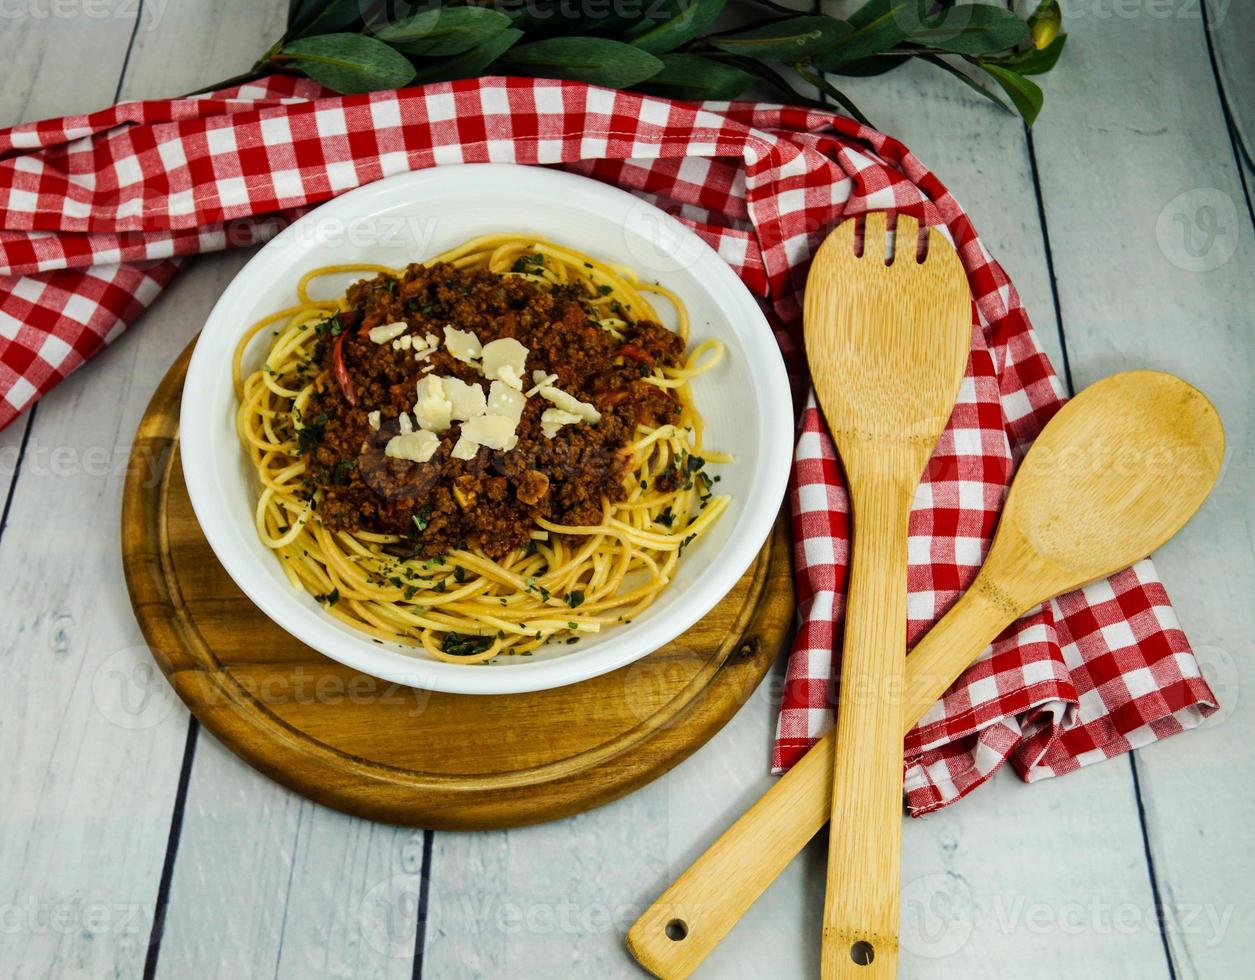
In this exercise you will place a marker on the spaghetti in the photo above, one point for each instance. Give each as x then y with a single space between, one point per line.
466 604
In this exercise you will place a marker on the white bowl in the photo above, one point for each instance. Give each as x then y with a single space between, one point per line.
407 218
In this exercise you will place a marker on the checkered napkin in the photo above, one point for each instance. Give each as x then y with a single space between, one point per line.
97 213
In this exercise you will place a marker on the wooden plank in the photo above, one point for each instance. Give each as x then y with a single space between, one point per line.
1156 262
261 876
93 739
10 459
42 53
83 726
1230 27
35 52
556 899
185 46
268 883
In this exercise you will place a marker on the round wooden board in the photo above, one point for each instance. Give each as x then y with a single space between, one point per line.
387 752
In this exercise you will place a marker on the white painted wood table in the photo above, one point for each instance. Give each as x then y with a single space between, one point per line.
132 844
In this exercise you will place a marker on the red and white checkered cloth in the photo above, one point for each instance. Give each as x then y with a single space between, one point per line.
96 212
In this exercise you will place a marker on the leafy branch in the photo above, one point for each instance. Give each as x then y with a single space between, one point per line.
667 47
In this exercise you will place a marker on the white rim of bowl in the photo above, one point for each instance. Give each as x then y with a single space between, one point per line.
310 626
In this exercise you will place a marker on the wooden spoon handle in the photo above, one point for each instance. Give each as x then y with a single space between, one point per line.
860 926
689 919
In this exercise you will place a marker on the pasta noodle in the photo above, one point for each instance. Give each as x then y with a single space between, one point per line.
463 607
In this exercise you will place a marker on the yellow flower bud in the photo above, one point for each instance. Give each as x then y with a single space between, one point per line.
1045 24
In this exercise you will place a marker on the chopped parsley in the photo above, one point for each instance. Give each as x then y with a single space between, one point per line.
342 470
574 599
330 327
666 518
330 598
532 262
461 645
310 434
422 519
604 290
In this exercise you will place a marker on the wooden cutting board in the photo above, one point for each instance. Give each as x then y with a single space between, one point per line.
386 752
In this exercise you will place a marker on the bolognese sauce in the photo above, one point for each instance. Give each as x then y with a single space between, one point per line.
364 390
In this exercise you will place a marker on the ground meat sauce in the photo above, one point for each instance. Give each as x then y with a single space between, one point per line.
490 502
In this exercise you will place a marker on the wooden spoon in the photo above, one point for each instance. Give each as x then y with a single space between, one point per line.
887 338
1116 473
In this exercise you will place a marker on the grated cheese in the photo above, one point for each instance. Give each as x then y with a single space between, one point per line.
462 344
569 403
387 331
505 400
433 409
417 447
467 400
553 419
492 431
504 360
540 380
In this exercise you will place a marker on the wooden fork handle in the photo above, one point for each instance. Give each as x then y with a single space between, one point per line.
860 924
690 918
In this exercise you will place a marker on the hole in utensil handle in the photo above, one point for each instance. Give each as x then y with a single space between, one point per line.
676 930
862 953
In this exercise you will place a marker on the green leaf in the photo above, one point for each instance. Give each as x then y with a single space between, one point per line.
348 63
469 63
970 28
871 37
1033 61
870 11
968 80
444 30
690 76
788 39
539 19
597 60
300 11
693 20
322 16
867 67
1025 95
413 28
